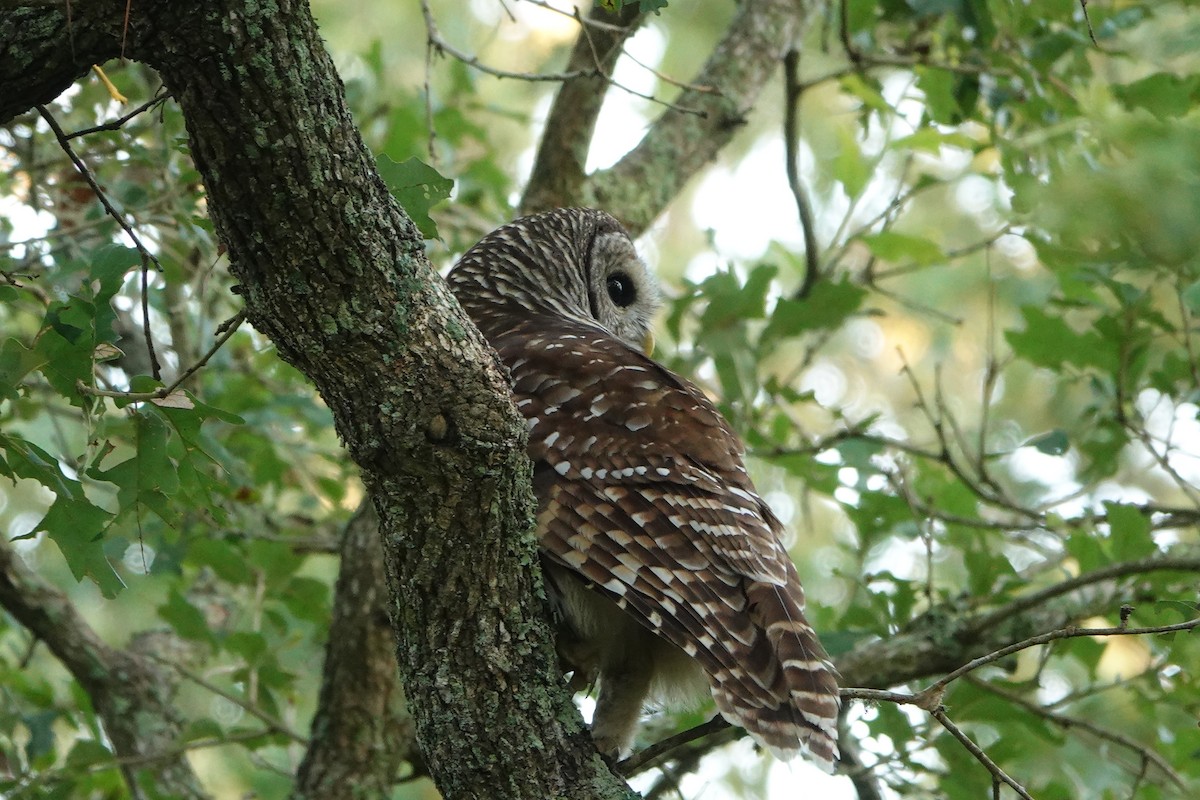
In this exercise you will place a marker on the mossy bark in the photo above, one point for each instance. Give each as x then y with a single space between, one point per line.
333 271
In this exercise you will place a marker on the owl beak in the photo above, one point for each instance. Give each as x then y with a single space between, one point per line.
648 343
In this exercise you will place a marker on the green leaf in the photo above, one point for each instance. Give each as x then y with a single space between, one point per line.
900 247
77 527
932 140
203 728
64 348
1191 297
149 478
418 187
227 562
1050 342
24 459
938 87
108 268
1130 528
249 645
868 93
1087 549
1101 445
849 166
41 732
16 361
1052 443
827 306
185 618
86 752
1162 94
73 522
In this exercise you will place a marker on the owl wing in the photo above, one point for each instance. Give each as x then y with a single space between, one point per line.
643 493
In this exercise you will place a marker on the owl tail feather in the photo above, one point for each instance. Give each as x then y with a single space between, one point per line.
797 712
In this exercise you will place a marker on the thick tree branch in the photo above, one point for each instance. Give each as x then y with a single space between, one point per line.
941 641
334 272
361 733
558 170
678 144
40 61
945 646
132 696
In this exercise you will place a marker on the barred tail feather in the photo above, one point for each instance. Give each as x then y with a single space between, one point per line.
799 712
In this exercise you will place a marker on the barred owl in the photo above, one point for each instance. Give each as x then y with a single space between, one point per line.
664 563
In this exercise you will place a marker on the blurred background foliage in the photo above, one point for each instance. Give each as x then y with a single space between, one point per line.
990 387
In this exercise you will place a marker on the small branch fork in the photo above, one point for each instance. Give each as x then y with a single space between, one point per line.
225 332
929 700
437 43
160 97
147 257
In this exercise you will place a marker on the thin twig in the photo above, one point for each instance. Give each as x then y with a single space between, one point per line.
1045 638
1185 327
590 21
86 173
791 134
980 756
73 772
226 330
1066 721
433 33
1083 4
659 751
438 43
949 255
146 255
160 97
275 725
931 696
1034 599
155 367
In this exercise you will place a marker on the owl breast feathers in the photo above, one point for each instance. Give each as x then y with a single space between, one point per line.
666 565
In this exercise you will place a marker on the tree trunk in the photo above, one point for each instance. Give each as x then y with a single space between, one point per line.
333 271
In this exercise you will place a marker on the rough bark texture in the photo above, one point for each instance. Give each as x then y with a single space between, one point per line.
944 638
133 697
334 272
361 733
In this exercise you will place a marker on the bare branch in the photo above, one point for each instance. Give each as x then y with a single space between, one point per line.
1052 636
147 256
86 174
677 145
160 97
133 698
791 134
274 724
670 747
980 756
225 332
558 169
1034 599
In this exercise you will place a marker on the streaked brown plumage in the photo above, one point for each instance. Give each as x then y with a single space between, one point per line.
666 564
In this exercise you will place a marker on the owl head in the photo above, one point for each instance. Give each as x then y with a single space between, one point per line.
573 262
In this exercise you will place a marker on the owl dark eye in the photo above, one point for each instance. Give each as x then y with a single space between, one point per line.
621 289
